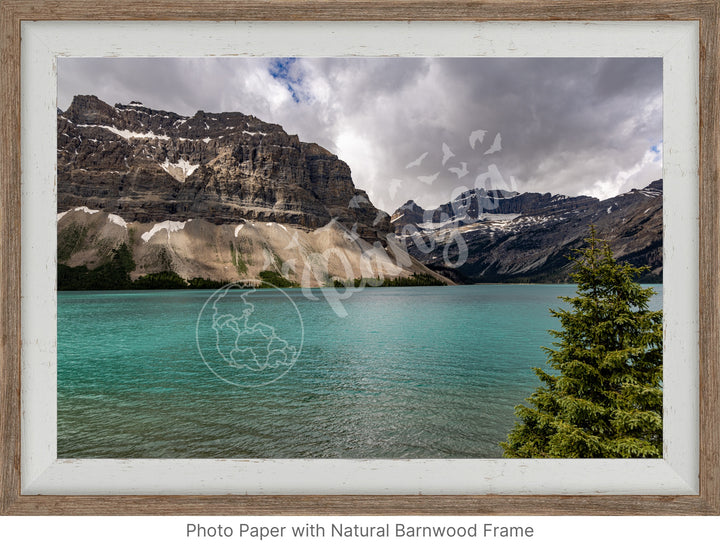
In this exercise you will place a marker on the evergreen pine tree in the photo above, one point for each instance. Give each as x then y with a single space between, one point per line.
604 398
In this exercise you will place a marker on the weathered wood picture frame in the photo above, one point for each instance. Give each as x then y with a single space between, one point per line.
14 381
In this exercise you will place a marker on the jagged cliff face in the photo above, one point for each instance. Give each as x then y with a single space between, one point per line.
511 237
219 196
147 165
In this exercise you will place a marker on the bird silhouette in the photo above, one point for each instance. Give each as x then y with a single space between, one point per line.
356 201
395 183
288 266
379 217
459 171
477 136
495 145
447 154
417 161
269 261
352 234
294 242
429 179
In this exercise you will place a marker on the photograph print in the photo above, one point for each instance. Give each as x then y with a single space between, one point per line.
359 258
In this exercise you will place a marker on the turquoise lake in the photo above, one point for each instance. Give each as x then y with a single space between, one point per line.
425 372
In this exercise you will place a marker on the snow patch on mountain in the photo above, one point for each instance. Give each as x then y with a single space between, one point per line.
169 225
128 134
180 170
117 219
86 210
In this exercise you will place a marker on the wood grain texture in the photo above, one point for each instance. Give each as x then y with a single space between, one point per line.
9 258
710 258
362 10
707 12
361 505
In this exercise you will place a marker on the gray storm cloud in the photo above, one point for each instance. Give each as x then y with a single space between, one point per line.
569 126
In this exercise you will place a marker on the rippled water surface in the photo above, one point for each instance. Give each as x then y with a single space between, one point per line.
407 373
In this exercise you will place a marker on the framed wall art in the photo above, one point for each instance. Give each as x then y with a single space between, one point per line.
300 258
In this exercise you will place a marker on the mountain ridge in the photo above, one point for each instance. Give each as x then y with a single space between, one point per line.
227 195
158 165
527 237
217 196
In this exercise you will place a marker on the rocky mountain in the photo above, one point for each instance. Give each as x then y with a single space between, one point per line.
148 165
226 196
219 196
502 236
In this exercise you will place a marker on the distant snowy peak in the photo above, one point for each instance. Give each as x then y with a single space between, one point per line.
473 206
528 237
482 192
655 189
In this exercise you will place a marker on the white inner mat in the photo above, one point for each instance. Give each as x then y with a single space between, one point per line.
675 42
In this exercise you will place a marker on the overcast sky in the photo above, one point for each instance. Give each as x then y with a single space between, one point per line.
423 128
